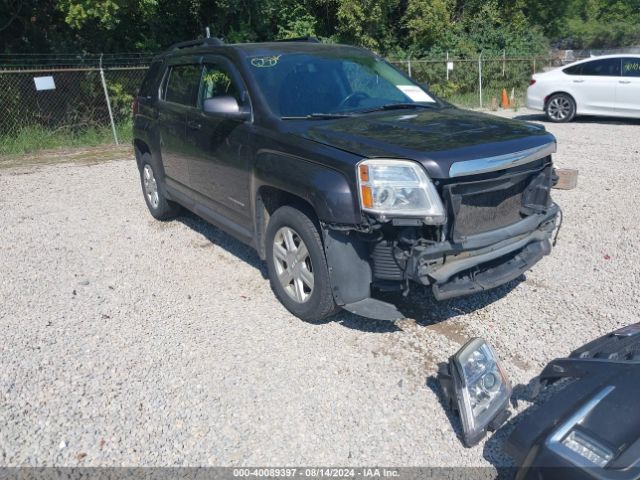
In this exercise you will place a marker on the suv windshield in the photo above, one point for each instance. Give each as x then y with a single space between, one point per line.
304 84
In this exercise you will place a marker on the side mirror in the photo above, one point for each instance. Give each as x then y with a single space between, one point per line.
226 106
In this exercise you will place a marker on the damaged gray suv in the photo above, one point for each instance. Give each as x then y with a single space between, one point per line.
346 176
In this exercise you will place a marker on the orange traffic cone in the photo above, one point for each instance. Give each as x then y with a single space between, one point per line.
505 100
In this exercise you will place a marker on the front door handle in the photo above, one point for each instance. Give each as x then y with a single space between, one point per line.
578 81
194 125
624 81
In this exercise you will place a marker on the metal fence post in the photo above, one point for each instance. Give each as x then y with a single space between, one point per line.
480 77
504 62
106 97
409 68
446 67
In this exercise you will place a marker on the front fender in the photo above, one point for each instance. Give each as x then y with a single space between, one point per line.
327 190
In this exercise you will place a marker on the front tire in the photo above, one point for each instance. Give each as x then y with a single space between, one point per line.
560 108
297 266
159 206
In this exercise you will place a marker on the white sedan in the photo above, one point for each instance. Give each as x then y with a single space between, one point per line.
607 85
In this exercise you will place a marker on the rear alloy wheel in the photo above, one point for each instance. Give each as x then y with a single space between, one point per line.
560 108
159 206
150 186
297 266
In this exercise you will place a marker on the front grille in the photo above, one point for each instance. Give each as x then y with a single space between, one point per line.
481 206
482 212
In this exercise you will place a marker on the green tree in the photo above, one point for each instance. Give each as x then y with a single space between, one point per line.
429 23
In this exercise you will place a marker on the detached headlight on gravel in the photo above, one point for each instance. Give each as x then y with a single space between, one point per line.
398 188
478 388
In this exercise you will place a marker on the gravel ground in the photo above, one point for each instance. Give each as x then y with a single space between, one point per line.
127 341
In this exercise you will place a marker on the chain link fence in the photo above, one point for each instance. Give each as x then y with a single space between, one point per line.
66 106
477 82
86 100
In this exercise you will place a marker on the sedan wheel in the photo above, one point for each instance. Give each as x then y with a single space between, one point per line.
293 264
561 108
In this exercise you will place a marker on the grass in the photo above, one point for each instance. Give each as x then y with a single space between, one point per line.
33 138
472 99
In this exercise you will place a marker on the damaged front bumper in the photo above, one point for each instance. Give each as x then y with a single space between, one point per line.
485 262
359 267
498 226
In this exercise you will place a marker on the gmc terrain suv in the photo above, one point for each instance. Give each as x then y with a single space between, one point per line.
345 175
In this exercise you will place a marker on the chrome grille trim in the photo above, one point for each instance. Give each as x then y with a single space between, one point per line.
500 162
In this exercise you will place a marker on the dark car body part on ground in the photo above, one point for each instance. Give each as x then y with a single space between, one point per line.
586 427
599 407
238 157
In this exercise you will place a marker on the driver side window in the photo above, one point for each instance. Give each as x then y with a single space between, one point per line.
216 82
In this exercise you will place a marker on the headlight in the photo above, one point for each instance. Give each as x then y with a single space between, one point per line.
478 388
398 188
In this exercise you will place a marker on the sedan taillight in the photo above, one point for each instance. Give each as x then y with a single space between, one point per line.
134 106
531 82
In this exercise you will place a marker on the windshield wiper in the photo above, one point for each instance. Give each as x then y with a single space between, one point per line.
398 106
318 116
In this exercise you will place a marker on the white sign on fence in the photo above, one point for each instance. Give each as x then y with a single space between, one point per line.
449 66
44 83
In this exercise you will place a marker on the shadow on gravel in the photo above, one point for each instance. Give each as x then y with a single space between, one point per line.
581 119
419 305
218 237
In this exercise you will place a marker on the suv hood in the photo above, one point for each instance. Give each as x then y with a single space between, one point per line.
436 138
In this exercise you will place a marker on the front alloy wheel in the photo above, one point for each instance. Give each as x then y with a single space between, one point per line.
296 262
293 264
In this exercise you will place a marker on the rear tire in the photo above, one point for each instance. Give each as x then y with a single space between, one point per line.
560 108
297 265
157 203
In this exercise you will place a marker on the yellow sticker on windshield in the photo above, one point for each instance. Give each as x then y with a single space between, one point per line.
262 62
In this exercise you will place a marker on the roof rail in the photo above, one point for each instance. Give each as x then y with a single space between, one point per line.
300 39
201 42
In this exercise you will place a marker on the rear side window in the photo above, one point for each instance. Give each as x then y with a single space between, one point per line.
631 67
183 84
608 67
149 84
575 70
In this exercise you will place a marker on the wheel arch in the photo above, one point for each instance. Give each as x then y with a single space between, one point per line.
558 92
280 179
268 200
140 147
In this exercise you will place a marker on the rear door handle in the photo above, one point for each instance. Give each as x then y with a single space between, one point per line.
624 81
578 81
194 125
